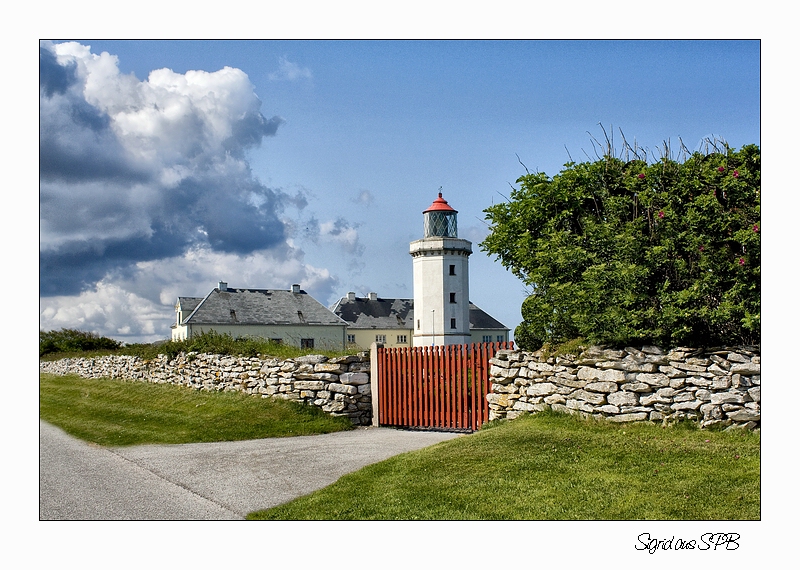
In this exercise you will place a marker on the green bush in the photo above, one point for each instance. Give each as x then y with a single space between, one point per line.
72 340
621 252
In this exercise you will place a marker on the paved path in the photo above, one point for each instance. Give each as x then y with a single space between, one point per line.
202 481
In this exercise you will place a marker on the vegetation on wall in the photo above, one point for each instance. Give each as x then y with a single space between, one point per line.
620 251
67 343
73 340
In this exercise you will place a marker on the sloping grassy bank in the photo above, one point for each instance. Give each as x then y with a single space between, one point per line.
553 467
118 413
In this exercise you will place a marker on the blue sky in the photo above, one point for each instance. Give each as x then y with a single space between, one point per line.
342 145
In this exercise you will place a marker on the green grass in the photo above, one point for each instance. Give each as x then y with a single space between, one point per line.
552 467
117 413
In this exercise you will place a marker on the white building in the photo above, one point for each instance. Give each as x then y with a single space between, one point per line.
441 279
292 317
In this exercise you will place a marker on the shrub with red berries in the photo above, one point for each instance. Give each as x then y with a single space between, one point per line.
621 251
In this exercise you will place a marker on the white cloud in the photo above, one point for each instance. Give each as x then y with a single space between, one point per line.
289 71
137 305
146 194
343 233
139 170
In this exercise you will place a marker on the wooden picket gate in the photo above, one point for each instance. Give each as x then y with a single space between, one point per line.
437 387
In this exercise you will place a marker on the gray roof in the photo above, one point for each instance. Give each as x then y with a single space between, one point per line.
481 320
260 307
188 304
363 313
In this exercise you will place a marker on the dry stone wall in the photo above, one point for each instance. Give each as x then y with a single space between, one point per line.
339 386
721 386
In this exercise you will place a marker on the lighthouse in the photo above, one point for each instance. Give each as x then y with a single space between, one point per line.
441 279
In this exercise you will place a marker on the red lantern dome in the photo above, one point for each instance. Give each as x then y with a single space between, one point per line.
440 205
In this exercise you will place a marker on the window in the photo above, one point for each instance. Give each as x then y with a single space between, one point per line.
380 338
306 343
452 297
452 270
276 340
452 323
351 339
487 338
417 324
402 339
500 338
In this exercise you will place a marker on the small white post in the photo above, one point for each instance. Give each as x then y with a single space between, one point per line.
373 380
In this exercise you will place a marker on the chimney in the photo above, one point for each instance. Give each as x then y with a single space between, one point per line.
223 286
373 296
351 296
295 288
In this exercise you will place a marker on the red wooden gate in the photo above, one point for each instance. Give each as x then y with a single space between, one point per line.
435 386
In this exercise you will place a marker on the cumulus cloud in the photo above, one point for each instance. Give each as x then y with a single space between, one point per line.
135 304
146 194
289 71
133 171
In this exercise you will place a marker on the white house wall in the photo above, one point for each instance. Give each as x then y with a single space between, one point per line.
325 337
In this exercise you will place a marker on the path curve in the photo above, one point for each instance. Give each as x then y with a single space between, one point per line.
203 481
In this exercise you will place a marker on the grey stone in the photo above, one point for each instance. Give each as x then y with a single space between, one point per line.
721 383
672 372
524 406
636 387
727 398
604 387
309 385
354 378
580 405
746 369
589 374
745 416
704 395
590 397
698 381
544 389
736 357
653 379
541 367
635 417
717 370
342 389
654 399
555 399
623 399
692 405
334 407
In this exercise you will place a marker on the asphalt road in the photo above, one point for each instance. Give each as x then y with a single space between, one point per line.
202 481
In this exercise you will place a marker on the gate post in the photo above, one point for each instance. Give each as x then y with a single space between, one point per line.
373 380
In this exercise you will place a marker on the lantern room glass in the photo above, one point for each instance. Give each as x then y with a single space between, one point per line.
441 224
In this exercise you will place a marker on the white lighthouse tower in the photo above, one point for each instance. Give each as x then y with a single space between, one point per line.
441 279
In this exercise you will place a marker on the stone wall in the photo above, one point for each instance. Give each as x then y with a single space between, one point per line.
721 386
340 386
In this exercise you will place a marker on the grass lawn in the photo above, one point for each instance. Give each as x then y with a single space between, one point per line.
553 467
118 413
